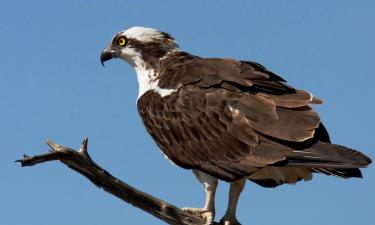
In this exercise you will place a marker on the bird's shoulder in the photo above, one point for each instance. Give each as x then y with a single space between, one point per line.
182 68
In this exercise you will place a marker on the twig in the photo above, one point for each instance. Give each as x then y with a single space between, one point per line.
81 162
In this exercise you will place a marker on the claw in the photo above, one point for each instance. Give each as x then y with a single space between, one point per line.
207 214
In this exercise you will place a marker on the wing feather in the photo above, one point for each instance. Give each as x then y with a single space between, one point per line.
232 118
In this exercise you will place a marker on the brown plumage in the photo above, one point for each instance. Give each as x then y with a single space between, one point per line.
235 119
227 119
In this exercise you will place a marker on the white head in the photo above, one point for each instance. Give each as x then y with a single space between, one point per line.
140 45
143 48
143 34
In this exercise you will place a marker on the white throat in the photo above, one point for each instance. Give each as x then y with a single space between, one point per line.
147 79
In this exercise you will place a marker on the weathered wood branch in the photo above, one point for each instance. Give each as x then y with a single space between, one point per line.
81 162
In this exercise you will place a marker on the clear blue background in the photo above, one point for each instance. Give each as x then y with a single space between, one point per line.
53 86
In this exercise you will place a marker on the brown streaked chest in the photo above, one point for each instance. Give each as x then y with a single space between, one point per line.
157 115
156 111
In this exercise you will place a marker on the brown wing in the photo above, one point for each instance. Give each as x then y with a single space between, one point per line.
271 106
196 128
229 118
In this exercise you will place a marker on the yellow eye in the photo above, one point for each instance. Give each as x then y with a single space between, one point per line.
121 41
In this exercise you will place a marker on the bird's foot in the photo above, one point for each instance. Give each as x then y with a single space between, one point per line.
207 214
229 221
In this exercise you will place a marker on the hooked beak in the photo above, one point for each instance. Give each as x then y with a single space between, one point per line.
106 55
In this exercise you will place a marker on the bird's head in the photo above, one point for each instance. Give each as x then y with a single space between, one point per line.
139 46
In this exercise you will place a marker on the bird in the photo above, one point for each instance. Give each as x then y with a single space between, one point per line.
228 120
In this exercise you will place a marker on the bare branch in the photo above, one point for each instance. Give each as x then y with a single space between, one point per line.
81 162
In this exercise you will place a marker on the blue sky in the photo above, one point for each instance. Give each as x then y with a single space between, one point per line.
53 86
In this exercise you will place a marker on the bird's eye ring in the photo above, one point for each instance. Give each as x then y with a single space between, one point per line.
121 41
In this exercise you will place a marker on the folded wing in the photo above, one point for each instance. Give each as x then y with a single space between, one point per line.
234 119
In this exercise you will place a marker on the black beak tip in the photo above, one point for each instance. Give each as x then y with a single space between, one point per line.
105 56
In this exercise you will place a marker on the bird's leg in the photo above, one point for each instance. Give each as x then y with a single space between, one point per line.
208 211
235 190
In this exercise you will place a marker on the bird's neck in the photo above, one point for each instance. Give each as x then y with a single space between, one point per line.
147 74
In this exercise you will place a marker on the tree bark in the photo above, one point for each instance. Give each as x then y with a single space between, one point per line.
81 162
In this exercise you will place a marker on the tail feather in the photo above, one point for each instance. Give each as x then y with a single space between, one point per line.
333 157
343 173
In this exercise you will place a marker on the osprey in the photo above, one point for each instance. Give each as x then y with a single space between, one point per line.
228 120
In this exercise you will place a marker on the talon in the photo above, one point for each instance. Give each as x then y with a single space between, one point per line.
207 214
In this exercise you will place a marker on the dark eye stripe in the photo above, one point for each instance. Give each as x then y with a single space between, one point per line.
117 40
